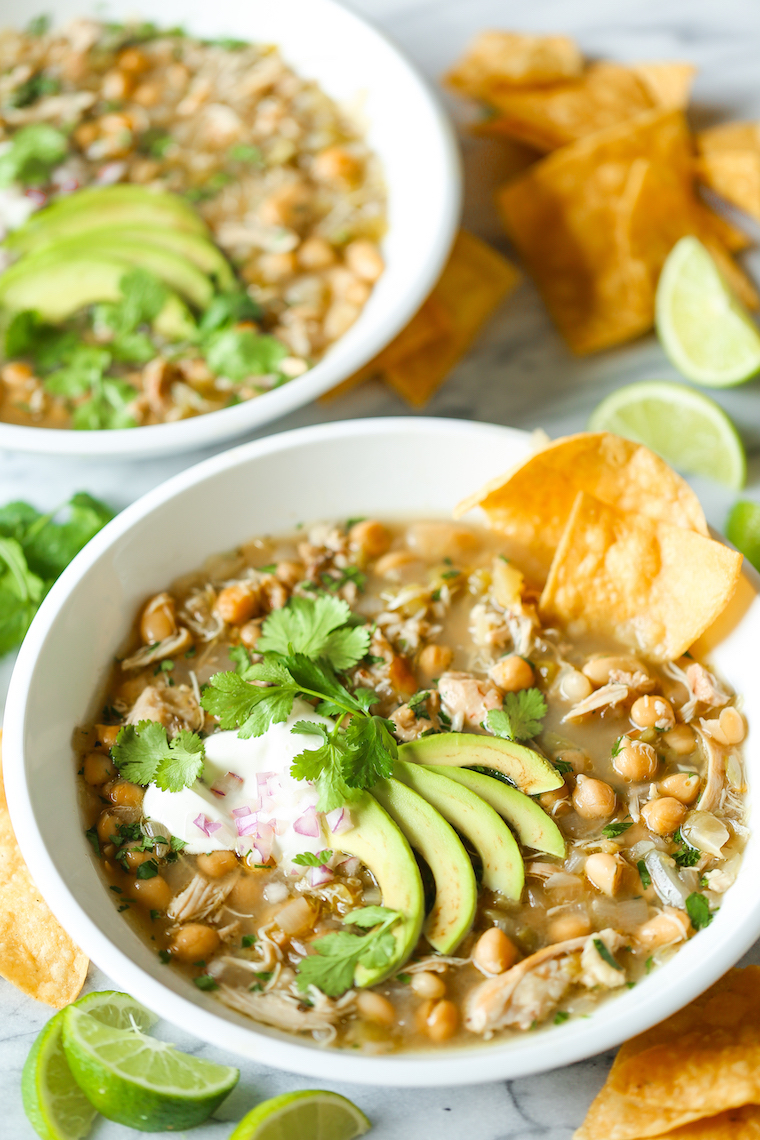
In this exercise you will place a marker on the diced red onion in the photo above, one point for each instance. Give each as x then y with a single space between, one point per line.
247 825
238 813
350 865
307 824
206 825
213 826
319 875
226 784
110 173
36 196
280 826
338 821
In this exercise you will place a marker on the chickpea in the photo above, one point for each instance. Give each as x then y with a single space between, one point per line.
217 864
246 893
512 674
670 926
427 985
238 603
635 760
116 86
680 740
336 164
683 786
194 942
157 621
574 686
604 872
364 259
728 728
566 926
289 206
107 733
598 669
290 573
438 540
108 826
556 802
250 634
148 94
375 1007
125 794
664 815
494 952
315 253
154 893
391 564
653 712
442 1021
371 537
577 759
593 799
422 1013
131 59
275 267
133 859
98 768
339 318
434 660
85 135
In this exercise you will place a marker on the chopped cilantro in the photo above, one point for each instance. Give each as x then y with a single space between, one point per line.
418 699
165 956
38 25
646 878
563 766
649 964
617 827
245 153
346 575
685 855
307 859
34 88
352 522
405 979
154 914
177 844
124 907
560 1016
144 755
248 940
147 870
116 890
616 747
92 838
521 716
319 627
270 569
240 353
698 910
33 152
205 982
332 968
451 574
605 954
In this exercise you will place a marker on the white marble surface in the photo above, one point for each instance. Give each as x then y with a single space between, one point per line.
518 374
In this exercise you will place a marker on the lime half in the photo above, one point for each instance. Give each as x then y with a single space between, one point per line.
705 330
118 1010
139 1081
56 1107
685 427
743 529
309 1115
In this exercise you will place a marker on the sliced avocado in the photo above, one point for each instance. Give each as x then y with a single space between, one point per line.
530 771
533 827
175 271
59 289
105 206
175 321
456 892
503 869
377 841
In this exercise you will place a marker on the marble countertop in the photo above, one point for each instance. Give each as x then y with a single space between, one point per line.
520 374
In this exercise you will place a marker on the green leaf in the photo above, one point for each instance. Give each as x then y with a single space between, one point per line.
107 408
34 151
184 764
331 968
698 910
646 878
317 627
240 353
521 718
34 88
147 870
605 954
244 153
250 708
51 546
85 367
143 297
308 859
133 348
324 767
38 25
139 749
227 309
685 855
242 658
368 916
373 751
617 827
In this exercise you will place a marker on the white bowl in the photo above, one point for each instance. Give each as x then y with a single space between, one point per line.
381 467
357 65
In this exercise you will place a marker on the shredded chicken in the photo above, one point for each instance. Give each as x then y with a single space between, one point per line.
285 1011
176 643
467 699
605 698
434 964
200 899
705 687
639 681
716 772
175 708
199 614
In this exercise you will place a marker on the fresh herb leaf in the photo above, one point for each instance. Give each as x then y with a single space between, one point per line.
521 717
325 766
646 878
617 827
250 708
698 910
331 968
32 89
227 309
563 766
38 25
560 1016
307 859
32 154
147 870
92 838
244 153
373 751
240 353
144 755
248 940
206 982
318 627
605 954
419 698
177 844
336 582
685 855
21 591
165 956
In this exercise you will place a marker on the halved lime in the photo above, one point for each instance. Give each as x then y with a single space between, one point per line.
309 1115
685 427
705 330
118 1010
743 529
55 1106
139 1081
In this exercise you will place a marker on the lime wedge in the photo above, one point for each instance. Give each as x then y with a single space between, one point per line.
705 330
308 1115
118 1010
54 1104
743 529
139 1081
685 427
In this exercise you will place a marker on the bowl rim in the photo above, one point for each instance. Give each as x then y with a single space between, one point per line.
551 1047
227 423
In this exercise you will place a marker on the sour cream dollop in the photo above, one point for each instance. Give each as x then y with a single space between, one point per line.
246 799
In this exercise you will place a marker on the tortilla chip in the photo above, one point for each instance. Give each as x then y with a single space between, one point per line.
736 1124
615 1117
730 236
508 59
668 84
36 954
532 503
735 175
595 221
648 584
729 136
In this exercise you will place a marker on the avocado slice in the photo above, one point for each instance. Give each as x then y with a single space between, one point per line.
528 769
503 869
377 841
175 271
533 827
100 206
456 892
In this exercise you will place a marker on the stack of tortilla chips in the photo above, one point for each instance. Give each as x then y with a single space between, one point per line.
612 178
696 1076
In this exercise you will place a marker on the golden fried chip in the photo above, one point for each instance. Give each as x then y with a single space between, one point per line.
595 221
735 175
668 84
730 236
532 503
616 1117
36 954
729 136
509 59
648 584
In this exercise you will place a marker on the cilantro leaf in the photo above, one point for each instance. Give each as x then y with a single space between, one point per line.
240 353
144 755
227 309
698 910
325 767
419 699
142 298
184 763
521 716
331 968
86 366
617 827
242 658
317 627
21 592
373 751
646 878
51 546
685 855
307 859
106 408
251 708
605 954
34 151
368 916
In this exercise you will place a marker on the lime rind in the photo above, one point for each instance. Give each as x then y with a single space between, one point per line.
313 1113
743 530
704 329
686 428
119 1010
55 1106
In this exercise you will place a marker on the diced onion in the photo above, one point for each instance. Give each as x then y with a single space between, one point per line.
339 821
206 825
307 824
665 879
318 876
705 831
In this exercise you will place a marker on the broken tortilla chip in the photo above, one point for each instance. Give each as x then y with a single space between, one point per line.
648 584
508 59
669 84
735 175
36 954
532 503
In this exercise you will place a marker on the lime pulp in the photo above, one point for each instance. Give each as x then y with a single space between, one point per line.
743 529
55 1106
309 1115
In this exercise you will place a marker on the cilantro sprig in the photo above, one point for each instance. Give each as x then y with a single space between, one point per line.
308 859
144 755
521 717
319 627
332 968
